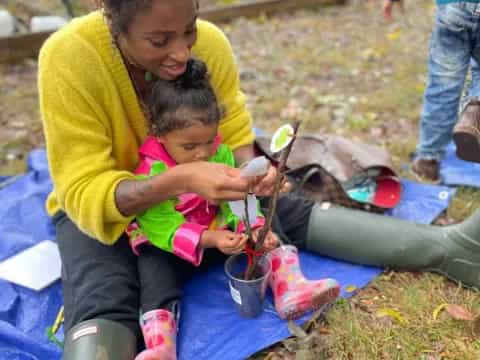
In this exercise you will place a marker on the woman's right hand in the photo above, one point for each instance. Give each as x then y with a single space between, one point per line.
226 241
214 182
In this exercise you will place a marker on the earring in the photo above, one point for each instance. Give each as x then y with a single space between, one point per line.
148 76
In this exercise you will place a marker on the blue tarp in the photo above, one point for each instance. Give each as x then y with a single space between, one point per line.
210 327
456 172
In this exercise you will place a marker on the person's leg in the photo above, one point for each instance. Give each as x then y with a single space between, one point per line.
162 276
466 133
371 239
450 53
474 87
101 294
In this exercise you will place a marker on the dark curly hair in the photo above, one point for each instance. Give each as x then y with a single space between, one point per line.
120 13
171 102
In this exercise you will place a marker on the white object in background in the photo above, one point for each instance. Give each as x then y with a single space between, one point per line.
46 23
35 268
7 23
256 167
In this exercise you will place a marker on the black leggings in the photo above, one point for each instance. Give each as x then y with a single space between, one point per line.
110 282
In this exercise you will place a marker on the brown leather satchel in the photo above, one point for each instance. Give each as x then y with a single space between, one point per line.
332 168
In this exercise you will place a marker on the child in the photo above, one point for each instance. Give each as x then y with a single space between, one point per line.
177 233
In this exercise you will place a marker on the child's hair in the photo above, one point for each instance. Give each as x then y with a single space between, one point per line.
172 102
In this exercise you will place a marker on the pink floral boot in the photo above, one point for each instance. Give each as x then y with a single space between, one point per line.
293 294
159 332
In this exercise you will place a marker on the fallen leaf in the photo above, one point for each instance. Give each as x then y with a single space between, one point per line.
350 288
438 309
459 313
394 314
394 35
476 328
323 330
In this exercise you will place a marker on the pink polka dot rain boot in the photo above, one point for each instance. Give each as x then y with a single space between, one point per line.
159 332
293 294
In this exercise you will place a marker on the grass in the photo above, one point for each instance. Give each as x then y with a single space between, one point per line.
350 73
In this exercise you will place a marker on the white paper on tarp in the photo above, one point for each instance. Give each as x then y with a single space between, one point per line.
35 268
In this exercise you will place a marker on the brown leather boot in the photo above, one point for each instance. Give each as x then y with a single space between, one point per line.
426 169
466 133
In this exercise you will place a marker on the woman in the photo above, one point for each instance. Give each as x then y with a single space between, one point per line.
93 77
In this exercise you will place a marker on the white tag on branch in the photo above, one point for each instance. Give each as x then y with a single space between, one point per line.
255 167
238 208
252 208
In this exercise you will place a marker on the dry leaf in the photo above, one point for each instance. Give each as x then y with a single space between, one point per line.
459 313
394 35
323 330
438 309
296 330
394 314
476 327
350 288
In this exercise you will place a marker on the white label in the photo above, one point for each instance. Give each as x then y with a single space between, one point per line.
85 331
443 195
235 294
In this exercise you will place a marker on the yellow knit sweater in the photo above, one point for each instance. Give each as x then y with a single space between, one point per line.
94 125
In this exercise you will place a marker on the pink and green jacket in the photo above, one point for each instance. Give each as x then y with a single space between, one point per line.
176 225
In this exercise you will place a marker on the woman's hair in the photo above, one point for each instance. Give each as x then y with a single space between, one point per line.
120 13
172 104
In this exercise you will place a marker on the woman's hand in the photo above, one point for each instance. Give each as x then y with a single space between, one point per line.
264 185
214 182
226 241
271 240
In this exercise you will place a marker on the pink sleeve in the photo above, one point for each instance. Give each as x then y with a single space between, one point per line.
144 166
257 224
186 242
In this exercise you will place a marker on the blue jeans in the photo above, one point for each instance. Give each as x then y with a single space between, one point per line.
455 40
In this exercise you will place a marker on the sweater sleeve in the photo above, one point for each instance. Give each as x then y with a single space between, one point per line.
214 48
79 140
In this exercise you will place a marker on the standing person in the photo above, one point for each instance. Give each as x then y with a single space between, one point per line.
94 76
455 40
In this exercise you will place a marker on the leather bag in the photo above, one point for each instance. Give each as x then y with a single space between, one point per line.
331 168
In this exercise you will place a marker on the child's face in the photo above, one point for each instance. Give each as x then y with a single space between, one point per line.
194 143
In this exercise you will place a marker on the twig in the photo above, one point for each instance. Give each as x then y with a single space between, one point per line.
273 201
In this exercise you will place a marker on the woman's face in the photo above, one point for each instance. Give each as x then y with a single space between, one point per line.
159 38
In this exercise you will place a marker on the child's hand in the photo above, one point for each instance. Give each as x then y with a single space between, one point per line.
226 241
271 240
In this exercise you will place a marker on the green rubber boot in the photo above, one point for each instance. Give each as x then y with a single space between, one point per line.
100 339
370 239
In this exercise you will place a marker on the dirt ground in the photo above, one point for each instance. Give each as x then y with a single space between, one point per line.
352 73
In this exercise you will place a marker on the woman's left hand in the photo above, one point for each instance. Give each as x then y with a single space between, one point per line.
264 185
271 239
